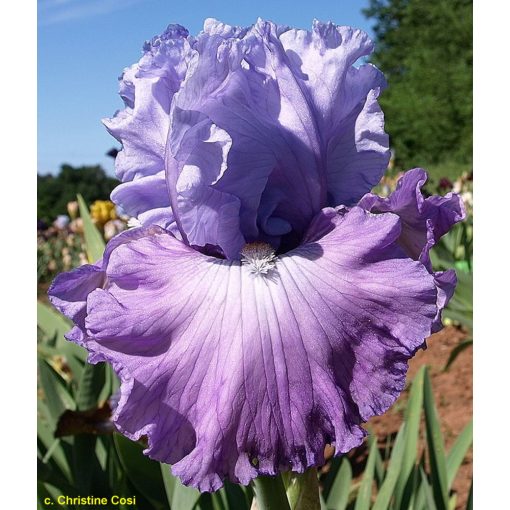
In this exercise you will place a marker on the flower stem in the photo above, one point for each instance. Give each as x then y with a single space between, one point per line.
270 493
303 490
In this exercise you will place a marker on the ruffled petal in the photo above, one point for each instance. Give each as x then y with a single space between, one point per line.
344 100
147 199
305 127
424 222
147 89
196 160
234 375
445 282
69 291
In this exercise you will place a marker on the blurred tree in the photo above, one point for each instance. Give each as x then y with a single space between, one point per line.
424 47
54 192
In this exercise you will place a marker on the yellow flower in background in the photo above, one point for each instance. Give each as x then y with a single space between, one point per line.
102 211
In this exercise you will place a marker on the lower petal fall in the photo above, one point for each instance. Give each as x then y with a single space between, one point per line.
231 374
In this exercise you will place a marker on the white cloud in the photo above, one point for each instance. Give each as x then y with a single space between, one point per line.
59 11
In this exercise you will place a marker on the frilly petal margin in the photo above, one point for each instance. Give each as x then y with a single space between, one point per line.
281 123
147 89
424 222
69 291
234 375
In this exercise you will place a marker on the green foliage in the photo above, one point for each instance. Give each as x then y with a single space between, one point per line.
449 168
405 483
302 490
177 494
424 47
364 496
270 493
455 251
54 192
93 239
337 484
436 451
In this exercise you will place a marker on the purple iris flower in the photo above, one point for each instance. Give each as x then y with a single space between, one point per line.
267 305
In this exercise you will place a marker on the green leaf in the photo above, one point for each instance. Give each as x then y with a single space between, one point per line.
205 502
42 494
429 496
395 464
406 479
53 493
460 307
462 265
102 451
237 496
91 475
54 326
93 239
464 290
417 500
458 452
56 397
53 450
47 475
379 469
86 465
365 491
51 322
144 473
270 493
328 478
469 504
456 351
90 386
178 496
339 494
111 384
303 490
116 476
219 500
435 447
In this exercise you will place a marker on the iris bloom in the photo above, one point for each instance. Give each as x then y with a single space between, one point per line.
267 305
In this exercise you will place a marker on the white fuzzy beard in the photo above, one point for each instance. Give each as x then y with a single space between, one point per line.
259 258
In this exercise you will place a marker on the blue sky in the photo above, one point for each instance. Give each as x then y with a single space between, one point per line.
83 45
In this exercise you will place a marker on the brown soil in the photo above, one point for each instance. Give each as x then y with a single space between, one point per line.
453 393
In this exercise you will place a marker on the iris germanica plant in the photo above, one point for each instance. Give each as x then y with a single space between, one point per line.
266 304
